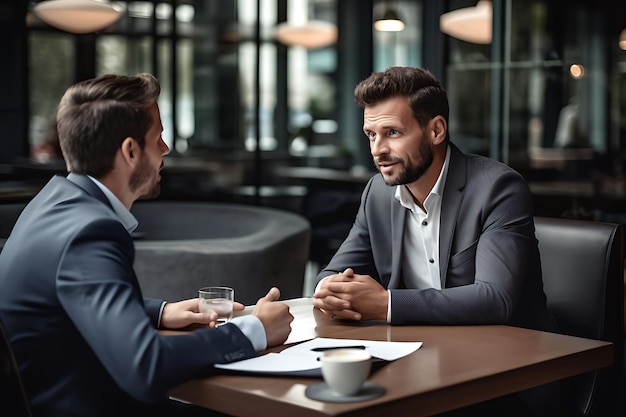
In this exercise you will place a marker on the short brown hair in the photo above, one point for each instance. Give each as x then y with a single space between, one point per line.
426 96
95 116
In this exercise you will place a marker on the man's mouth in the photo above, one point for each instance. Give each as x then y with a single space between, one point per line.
385 167
385 163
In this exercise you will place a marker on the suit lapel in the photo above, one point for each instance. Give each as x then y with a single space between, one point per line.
450 205
398 217
93 190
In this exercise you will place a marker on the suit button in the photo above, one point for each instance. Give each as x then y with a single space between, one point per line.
424 223
431 260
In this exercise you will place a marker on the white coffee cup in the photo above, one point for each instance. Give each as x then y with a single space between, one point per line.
345 370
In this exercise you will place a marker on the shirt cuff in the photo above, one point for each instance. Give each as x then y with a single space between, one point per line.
389 307
161 314
253 329
319 284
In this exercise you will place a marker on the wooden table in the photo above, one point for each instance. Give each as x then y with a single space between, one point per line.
455 367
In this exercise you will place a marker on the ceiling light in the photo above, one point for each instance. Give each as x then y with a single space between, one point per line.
470 24
312 34
77 16
390 21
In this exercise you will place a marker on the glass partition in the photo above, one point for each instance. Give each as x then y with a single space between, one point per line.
546 97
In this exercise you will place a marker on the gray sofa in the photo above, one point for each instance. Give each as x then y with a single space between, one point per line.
181 247
184 246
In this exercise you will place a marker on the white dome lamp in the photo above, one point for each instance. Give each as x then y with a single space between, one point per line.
312 34
470 24
77 16
390 21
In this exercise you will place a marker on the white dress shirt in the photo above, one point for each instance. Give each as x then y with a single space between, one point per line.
421 236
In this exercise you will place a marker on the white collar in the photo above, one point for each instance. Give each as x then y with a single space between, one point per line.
126 217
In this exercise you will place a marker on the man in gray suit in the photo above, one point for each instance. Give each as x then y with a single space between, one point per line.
86 341
440 237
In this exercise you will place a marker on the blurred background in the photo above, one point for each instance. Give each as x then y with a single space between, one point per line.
257 98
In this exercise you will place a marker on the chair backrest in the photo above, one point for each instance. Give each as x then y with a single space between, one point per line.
13 400
8 216
583 277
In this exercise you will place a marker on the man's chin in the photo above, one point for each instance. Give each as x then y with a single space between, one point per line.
152 194
390 180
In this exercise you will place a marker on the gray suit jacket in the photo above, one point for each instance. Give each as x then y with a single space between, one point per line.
84 338
490 267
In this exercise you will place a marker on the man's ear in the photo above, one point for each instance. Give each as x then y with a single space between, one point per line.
439 129
130 151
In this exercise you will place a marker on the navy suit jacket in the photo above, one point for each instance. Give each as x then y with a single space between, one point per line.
84 338
489 261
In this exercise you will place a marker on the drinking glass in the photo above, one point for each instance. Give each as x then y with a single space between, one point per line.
218 299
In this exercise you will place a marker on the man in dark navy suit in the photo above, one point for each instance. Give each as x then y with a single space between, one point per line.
86 341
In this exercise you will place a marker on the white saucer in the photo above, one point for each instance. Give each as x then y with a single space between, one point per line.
322 392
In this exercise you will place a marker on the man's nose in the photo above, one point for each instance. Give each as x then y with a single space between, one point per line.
378 147
166 149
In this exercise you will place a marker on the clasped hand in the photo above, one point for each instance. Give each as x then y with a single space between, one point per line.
351 296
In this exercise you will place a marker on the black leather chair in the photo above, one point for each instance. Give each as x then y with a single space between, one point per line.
8 216
583 269
13 400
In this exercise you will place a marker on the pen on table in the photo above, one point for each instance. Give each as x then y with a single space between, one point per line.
325 348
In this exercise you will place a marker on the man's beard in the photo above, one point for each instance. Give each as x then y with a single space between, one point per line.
412 172
143 177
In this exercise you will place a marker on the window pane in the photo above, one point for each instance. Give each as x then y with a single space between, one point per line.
185 126
116 54
164 71
51 63
311 81
399 48
468 95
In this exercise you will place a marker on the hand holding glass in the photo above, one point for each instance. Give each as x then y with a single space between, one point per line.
219 300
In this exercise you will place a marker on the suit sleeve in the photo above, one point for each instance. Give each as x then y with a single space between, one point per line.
154 308
98 291
356 250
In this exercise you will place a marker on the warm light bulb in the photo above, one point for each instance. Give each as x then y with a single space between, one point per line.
389 22
576 71
389 25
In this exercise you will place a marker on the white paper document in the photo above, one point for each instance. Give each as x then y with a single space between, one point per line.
303 324
388 351
302 359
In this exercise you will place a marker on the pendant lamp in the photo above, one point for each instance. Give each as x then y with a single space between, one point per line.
470 24
77 16
390 21
313 34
